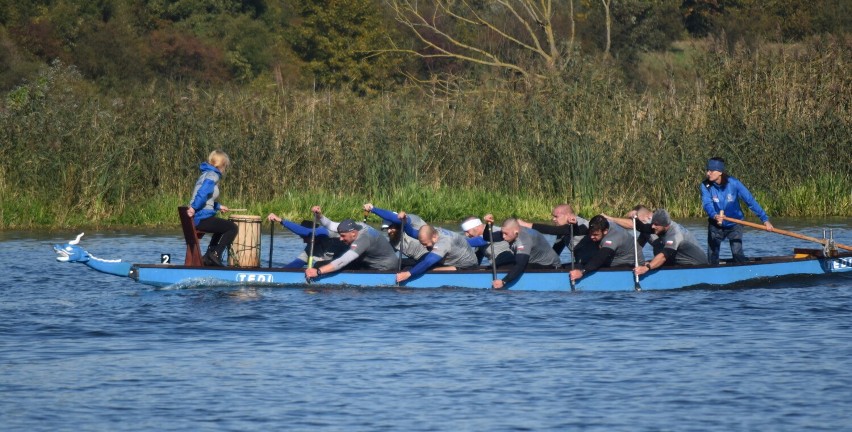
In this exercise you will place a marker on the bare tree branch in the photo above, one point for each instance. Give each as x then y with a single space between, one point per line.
534 33
489 59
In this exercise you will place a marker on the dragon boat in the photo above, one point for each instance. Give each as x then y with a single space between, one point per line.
804 262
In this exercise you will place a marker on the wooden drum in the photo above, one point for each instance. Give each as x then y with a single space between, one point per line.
246 247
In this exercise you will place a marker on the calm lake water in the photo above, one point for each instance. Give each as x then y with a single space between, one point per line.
80 350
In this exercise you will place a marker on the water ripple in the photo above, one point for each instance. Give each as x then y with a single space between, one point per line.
84 351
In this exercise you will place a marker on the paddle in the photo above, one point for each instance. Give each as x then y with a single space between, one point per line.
271 232
636 285
401 240
313 238
237 210
571 246
493 258
786 233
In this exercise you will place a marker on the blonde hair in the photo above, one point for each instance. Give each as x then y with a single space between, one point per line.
219 159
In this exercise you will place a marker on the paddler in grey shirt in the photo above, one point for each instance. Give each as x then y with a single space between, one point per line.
446 249
474 229
410 246
567 226
675 245
530 247
615 247
368 249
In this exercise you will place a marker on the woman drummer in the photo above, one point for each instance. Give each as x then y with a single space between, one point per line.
204 207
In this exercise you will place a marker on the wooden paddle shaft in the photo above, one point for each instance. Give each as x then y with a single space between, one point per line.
786 233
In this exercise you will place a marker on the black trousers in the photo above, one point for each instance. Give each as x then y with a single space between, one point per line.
224 232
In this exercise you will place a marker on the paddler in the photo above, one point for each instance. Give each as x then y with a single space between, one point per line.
327 244
674 245
368 250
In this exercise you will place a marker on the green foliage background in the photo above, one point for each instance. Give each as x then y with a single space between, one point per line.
109 106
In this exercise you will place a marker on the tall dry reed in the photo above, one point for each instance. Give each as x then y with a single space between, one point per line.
780 116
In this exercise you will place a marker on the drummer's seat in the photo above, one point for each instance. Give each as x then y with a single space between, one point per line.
191 236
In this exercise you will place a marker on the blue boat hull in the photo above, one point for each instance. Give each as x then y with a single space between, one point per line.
533 280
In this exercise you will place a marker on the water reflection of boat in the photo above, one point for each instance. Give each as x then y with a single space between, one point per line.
805 262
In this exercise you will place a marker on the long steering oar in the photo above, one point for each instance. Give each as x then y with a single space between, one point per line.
786 233
636 285
493 258
313 239
271 237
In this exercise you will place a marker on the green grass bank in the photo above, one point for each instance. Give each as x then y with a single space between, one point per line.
780 116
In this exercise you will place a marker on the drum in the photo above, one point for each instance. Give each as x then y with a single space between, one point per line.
246 247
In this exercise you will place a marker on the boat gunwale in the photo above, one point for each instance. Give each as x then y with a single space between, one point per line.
485 269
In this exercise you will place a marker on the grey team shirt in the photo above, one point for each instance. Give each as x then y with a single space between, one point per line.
411 247
374 250
533 243
371 247
499 247
622 243
681 240
579 238
454 250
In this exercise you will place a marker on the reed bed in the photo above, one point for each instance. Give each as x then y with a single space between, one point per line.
781 117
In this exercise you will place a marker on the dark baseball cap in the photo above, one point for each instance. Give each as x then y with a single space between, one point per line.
348 225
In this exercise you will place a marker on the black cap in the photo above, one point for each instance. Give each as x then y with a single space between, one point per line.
348 225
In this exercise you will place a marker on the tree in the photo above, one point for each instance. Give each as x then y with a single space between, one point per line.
608 21
698 15
498 34
341 40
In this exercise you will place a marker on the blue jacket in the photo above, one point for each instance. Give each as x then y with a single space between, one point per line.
205 193
727 196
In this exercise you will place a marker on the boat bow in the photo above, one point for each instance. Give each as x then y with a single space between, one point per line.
71 252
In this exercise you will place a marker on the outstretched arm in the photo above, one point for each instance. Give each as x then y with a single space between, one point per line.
302 231
425 263
561 230
752 203
386 215
521 261
642 227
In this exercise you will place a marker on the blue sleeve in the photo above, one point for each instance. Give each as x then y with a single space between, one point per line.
707 200
425 263
202 195
476 242
296 263
751 202
386 215
303 231
409 229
